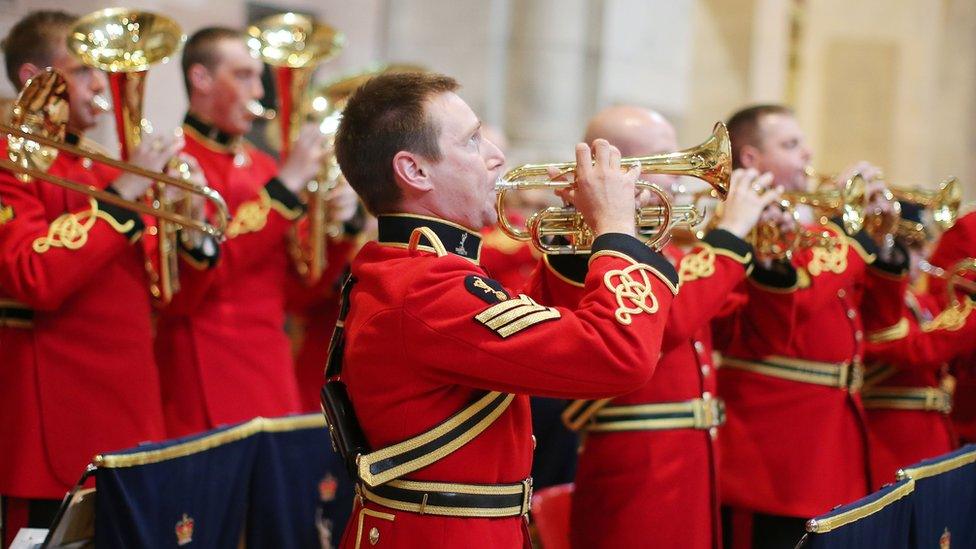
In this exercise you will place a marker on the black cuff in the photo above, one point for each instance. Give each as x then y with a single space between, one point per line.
861 237
198 257
123 215
636 250
897 264
570 266
278 192
780 274
720 238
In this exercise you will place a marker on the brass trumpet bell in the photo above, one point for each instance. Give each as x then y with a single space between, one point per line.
711 161
943 202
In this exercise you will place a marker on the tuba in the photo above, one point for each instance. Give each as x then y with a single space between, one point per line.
711 161
295 45
35 136
124 43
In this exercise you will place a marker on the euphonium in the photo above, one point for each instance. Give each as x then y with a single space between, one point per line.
36 136
710 161
848 202
124 43
295 45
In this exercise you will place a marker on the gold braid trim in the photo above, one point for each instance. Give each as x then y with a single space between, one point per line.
251 216
70 230
951 319
891 333
829 260
700 264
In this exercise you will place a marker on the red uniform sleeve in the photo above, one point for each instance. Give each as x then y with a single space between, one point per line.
956 244
42 263
606 346
914 347
708 274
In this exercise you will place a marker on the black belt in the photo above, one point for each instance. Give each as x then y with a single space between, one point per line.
453 499
15 315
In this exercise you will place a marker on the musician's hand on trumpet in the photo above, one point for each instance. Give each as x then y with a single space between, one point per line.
304 158
152 154
750 195
192 205
605 195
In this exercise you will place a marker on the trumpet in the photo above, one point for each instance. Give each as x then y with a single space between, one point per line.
769 240
955 277
36 138
944 203
711 161
294 45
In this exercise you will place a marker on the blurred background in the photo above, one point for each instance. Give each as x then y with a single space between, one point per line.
888 81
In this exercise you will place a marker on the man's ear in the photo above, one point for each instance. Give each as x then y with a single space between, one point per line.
26 72
199 78
410 171
749 156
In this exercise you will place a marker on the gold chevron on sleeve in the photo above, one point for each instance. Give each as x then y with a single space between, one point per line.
514 315
891 333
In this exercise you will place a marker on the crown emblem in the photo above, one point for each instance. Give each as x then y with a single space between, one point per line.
327 488
184 531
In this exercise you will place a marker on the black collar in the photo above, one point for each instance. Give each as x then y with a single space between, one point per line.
395 229
210 132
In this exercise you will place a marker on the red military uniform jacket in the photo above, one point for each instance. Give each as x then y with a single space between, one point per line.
428 333
313 311
907 406
792 446
221 346
660 486
956 244
77 376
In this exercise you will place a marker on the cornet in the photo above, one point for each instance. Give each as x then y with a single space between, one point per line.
849 203
944 203
294 45
710 161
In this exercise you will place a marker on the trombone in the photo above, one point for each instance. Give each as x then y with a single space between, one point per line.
294 45
849 202
711 161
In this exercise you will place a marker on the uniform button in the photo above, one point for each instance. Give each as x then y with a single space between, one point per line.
705 369
713 432
841 293
86 163
858 335
374 535
706 395
851 313
699 346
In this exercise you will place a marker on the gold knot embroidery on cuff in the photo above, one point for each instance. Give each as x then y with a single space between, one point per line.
700 264
633 295
70 230
251 216
829 260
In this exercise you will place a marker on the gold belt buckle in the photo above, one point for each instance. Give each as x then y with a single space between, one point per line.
855 376
526 496
708 411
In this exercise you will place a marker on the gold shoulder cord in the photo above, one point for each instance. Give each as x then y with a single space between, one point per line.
70 230
832 260
697 265
251 216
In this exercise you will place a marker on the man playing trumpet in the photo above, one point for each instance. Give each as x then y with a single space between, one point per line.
794 442
427 341
78 375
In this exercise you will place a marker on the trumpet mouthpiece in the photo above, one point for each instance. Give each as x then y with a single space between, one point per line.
101 104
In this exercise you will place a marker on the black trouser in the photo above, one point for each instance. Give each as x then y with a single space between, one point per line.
766 532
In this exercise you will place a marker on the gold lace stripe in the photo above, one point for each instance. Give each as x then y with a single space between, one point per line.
513 314
365 461
822 526
475 489
926 471
468 512
891 333
578 413
528 321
